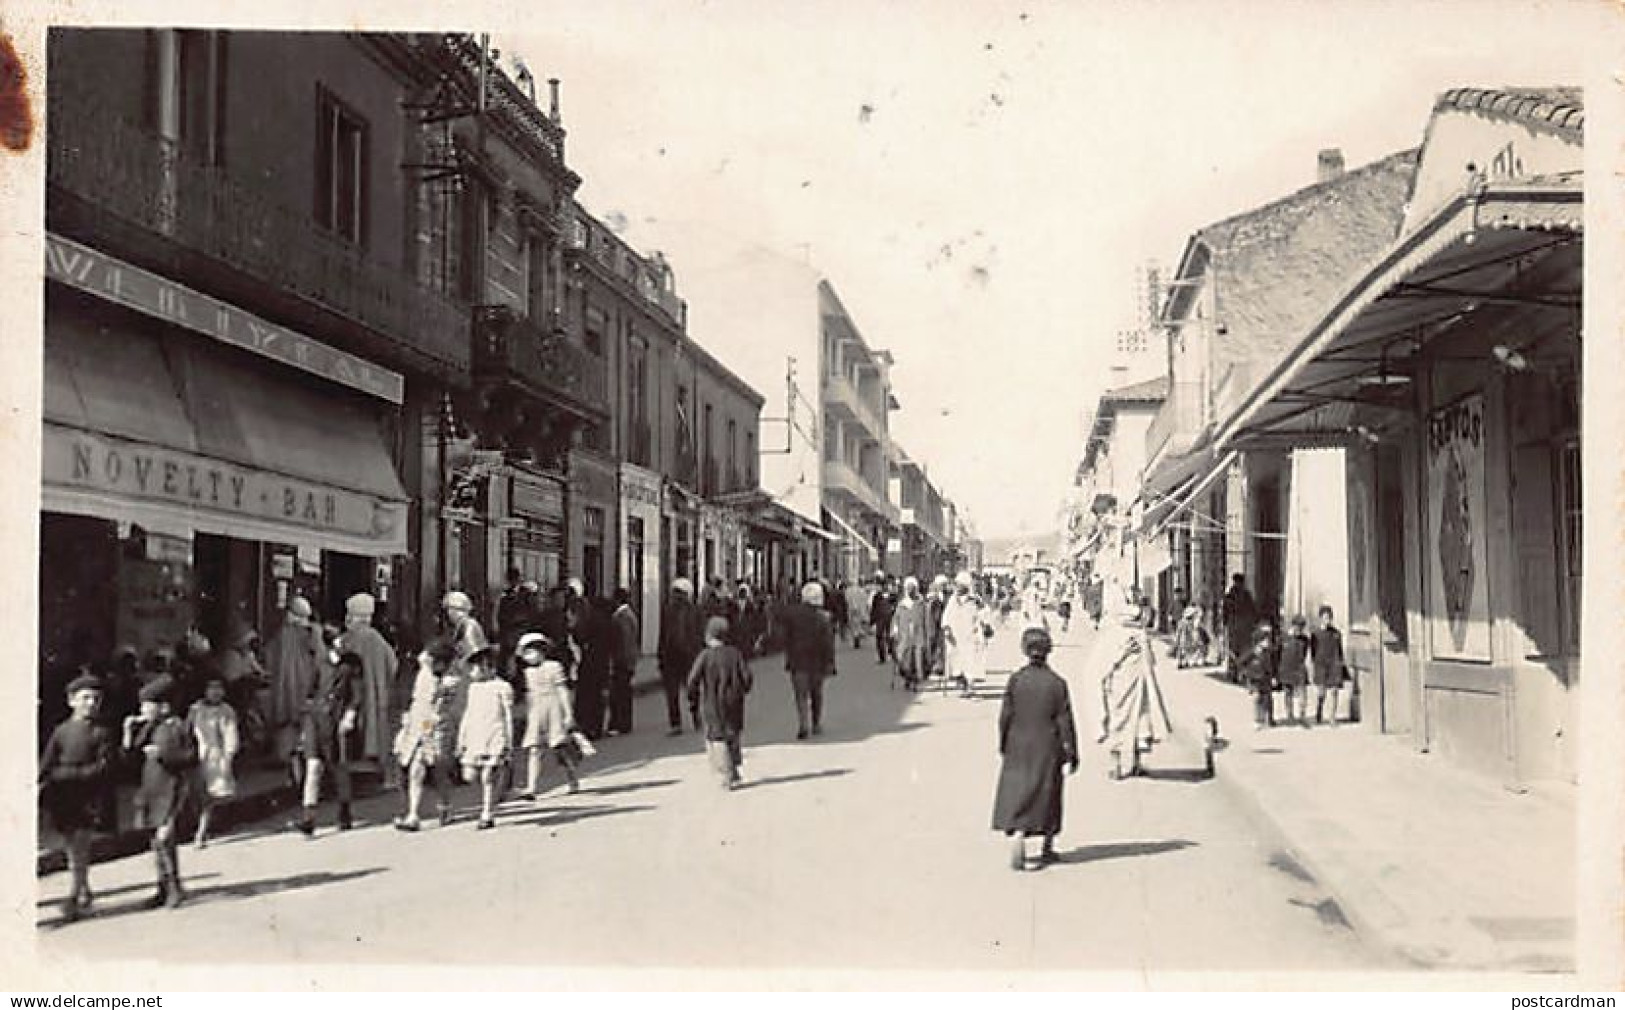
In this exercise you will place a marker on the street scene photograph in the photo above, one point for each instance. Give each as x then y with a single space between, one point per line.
703 491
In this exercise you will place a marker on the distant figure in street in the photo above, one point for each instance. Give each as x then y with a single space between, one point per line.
680 631
911 635
426 745
840 616
1134 714
76 776
717 685
627 646
881 608
809 655
594 633
548 718
485 735
936 601
1240 614
1037 739
1293 672
859 598
1328 665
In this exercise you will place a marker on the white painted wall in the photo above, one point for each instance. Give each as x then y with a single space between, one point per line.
1317 561
1504 149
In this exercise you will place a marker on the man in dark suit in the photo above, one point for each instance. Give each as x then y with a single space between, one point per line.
627 646
680 631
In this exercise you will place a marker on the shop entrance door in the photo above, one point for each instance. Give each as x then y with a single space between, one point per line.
1398 715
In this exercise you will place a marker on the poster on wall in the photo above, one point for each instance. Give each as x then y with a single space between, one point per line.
1458 580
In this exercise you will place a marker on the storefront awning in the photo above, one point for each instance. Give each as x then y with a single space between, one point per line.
853 533
1184 502
169 431
1503 243
818 531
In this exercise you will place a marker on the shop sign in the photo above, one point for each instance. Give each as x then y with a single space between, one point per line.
88 270
83 460
1457 531
537 498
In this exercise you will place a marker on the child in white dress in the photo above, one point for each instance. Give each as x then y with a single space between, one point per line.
485 735
214 724
549 720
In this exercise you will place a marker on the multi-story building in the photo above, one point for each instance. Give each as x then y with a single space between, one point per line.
927 547
856 399
246 364
679 455
490 220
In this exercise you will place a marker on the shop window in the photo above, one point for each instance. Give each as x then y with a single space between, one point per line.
341 169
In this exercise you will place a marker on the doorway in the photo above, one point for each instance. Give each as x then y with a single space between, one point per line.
1398 714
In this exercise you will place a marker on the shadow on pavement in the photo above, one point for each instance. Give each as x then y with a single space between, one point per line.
628 787
778 780
226 892
144 886
1120 850
570 815
1190 776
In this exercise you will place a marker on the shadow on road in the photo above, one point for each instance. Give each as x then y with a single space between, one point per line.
227 892
570 815
779 780
1189 776
1120 850
627 787
111 892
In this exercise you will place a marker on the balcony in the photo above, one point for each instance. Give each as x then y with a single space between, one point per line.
843 398
840 478
123 188
509 348
1177 424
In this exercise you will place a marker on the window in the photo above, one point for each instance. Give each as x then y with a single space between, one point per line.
733 453
539 280
473 221
341 169
750 459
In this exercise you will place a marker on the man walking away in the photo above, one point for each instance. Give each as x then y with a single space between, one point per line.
626 647
809 656
679 643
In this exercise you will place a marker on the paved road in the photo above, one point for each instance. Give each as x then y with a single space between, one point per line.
868 848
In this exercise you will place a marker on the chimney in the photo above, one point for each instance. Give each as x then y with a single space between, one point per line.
553 104
1330 164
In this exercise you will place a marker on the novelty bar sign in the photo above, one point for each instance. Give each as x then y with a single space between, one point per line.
1457 528
95 272
82 460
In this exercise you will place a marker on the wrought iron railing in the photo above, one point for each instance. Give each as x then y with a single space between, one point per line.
547 361
132 174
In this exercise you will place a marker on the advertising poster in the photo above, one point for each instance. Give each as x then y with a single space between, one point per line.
1457 525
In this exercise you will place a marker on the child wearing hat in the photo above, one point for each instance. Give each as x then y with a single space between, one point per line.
544 667
717 684
485 735
328 720
76 780
168 755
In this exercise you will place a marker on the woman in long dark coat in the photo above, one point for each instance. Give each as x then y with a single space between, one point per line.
1036 738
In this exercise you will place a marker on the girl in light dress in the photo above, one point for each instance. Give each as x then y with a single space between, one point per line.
214 724
485 736
425 745
549 718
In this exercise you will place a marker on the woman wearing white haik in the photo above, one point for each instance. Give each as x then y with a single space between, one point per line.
962 624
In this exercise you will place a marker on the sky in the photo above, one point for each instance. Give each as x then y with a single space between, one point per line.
981 182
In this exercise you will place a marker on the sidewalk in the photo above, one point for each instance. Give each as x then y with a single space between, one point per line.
261 792
1443 868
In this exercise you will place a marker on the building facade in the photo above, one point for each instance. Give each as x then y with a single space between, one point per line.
1451 368
245 376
